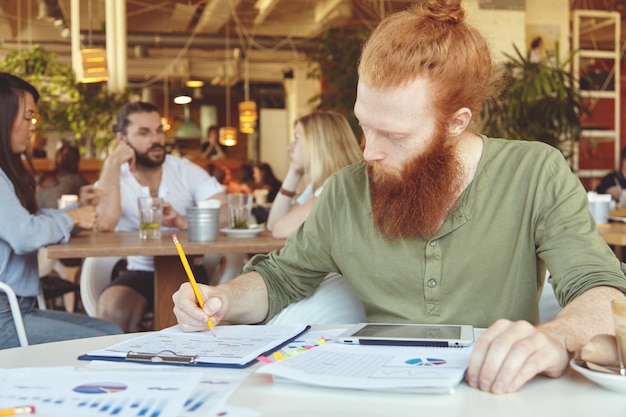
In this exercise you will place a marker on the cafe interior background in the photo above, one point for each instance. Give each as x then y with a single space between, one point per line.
221 53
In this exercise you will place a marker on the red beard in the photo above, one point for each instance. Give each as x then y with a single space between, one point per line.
415 202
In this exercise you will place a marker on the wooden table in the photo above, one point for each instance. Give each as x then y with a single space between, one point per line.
615 235
168 270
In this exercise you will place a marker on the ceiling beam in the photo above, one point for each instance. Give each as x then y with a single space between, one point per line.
264 7
215 15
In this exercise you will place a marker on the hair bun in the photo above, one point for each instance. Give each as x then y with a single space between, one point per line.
449 11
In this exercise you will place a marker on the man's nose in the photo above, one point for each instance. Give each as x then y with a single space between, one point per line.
373 150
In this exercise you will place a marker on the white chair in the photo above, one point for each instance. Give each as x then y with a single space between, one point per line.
95 275
333 302
16 312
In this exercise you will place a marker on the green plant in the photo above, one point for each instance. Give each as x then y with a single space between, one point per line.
334 62
87 110
536 102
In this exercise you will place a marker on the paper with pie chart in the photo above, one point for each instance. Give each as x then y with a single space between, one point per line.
384 368
64 391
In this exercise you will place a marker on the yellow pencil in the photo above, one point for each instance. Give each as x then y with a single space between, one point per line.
27 409
192 279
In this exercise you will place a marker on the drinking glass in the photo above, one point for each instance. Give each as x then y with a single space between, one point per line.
150 215
240 208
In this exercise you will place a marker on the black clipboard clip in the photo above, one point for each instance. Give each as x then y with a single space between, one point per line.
165 356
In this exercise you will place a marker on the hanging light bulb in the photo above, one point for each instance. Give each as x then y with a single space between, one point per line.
247 116
228 134
247 109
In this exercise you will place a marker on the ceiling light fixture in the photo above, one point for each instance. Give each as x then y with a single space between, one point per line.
247 109
93 61
227 134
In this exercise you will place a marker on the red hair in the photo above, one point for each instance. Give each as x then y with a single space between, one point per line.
430 39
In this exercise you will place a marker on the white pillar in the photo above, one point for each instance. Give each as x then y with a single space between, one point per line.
115 15
75 35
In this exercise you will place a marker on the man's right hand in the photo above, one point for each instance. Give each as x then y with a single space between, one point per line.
123 152
188 313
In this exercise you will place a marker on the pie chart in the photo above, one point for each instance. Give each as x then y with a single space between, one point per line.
425 361
100 388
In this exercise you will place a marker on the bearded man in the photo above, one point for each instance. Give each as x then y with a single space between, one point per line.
441 224
139 167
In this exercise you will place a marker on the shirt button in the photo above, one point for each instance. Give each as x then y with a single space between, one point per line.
431 283
432 242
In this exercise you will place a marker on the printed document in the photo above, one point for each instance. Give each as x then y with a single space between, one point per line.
381 368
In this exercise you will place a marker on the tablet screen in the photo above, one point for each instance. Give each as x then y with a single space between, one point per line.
413 332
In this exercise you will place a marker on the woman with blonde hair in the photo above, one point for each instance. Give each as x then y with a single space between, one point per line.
323 144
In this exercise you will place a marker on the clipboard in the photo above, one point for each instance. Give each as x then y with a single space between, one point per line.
236 346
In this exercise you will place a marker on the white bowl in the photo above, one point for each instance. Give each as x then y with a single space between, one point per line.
243 233
611 382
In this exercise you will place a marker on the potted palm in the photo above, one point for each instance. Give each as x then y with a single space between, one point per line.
535 101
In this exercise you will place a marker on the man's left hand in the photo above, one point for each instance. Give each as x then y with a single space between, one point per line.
509 354
171 218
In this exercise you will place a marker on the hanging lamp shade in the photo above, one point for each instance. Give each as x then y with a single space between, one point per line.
93 66
247 116
228 136
188 129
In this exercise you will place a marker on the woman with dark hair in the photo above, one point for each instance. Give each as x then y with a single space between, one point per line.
264 178
24 228
64 179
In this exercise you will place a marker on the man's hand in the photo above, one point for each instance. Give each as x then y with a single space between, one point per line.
171 218
509 354
89 195
123 152
188 313
83 217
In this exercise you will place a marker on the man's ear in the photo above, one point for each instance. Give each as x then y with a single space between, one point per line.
460 120
119 137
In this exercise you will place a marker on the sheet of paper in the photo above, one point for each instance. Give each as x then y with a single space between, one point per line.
232 345
208 397
394 368
64 391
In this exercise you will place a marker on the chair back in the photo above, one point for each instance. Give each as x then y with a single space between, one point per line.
333 302
95 276
16 312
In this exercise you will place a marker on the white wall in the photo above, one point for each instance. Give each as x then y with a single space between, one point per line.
274 139
503 28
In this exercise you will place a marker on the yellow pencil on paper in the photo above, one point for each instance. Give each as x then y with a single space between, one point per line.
27 409
192 279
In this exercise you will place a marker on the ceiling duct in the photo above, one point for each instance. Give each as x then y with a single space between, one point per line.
168 40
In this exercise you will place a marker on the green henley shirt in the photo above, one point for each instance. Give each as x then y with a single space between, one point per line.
523 211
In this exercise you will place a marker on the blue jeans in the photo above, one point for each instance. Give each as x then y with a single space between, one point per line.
44 326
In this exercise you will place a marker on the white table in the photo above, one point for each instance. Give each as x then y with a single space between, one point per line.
569 396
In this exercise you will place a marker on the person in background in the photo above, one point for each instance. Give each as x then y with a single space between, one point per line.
615 182
38 146
437 225
245 181
139 166
64 179
25 228
264 178
211 148
222 174
323 144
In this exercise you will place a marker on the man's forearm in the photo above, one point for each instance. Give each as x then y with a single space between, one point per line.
248 299
587 315
109 208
